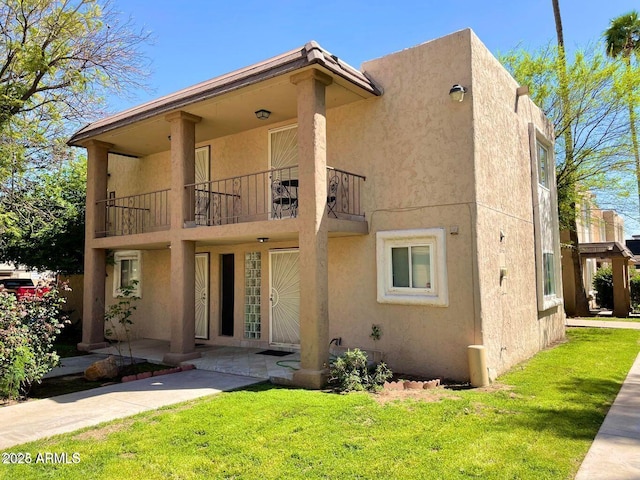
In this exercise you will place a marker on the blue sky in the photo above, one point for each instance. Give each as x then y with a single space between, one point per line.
199 39
195 40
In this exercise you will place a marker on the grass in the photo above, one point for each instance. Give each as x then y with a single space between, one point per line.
538 423
606 318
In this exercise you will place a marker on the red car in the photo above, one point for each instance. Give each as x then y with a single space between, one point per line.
22 287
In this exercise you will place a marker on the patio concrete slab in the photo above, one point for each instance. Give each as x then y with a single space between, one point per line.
38 419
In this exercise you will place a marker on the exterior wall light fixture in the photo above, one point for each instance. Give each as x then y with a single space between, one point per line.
263 239
457 93
262 114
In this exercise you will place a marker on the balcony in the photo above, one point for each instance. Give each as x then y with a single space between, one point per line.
267 195
147 212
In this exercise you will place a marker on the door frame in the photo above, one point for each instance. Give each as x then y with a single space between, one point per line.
208 291
271 253
270 162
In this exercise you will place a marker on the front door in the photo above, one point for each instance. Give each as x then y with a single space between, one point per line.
285 297
202 295
227 293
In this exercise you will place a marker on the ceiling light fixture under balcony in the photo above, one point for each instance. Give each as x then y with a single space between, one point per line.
262 114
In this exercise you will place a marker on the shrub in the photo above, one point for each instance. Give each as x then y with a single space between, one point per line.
350 372
28 328
635 290
118 318
603 284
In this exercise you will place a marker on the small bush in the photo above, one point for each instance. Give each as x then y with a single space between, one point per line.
603 285
635 290
28 328
350 373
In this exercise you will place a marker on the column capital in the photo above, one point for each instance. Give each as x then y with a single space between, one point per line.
181 115
96 144
311 74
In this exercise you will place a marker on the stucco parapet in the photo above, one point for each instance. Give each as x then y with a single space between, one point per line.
311 74
182 115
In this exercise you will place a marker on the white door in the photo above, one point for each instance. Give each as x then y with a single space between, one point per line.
202 295
283 155
202 196
285 297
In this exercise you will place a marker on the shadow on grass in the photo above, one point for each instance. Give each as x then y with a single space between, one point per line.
577 416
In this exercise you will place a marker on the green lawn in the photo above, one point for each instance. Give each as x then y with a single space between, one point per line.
538 423
610 319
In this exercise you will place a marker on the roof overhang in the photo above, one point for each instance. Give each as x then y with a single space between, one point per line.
227 103
604 250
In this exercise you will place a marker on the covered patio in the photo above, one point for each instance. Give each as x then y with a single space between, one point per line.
249 362
620 258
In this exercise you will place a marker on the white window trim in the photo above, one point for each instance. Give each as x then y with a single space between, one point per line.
545 302
126 255
438 294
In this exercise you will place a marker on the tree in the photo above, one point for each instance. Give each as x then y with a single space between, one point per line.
58 59
590 122
44 221
622 40
566 194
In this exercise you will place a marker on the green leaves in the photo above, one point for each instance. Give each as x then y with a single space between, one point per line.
595 113
42 219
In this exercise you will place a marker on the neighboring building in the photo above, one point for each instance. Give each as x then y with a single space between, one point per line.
299 200
601 240
8 270
634 246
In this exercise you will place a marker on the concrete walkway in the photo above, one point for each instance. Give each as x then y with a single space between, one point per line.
583 322
42 418
615 452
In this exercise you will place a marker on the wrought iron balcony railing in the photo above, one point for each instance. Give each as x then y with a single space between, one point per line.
147 212
343 194
270 194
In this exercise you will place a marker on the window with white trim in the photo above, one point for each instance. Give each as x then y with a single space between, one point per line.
411 267
543 164
127 272
545 212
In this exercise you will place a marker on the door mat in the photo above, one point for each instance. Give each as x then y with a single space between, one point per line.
274 353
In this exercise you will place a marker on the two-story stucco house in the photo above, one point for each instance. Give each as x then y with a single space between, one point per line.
300 199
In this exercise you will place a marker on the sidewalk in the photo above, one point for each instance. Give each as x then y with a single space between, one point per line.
583 322
615 452
37 419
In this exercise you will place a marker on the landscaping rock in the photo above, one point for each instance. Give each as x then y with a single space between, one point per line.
106 368
394 385
410 385
431 384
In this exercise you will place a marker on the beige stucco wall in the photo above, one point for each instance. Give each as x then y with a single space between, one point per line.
427 165
73 296
512 328
151 317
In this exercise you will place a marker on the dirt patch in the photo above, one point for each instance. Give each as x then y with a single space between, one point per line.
103 432
431 395
447 390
